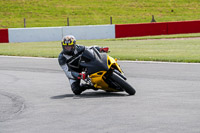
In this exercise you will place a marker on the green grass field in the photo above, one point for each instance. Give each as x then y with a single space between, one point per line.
168 50
45 13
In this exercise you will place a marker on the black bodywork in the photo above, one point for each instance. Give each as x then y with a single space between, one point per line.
94 61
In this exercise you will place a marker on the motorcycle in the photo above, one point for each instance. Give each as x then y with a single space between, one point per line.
103 72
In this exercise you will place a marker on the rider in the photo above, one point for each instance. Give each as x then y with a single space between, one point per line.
69 60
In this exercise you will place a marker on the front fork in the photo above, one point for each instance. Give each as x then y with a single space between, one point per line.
110 82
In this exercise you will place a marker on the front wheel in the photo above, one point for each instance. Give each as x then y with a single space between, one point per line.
123 84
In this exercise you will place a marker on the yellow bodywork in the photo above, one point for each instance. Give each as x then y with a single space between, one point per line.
98 78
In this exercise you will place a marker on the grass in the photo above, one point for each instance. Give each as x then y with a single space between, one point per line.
171 50
45 13
159 50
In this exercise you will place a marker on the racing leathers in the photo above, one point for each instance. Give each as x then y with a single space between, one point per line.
71 66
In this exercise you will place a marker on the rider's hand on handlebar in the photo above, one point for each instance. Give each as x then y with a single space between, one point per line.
82 76
104 49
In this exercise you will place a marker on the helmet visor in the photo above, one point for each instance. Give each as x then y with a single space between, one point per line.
68 42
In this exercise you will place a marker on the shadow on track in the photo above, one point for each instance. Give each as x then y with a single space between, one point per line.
90 95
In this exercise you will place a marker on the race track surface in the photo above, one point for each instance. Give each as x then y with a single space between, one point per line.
35 97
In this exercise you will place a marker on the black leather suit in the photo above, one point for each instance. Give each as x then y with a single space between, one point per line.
71 67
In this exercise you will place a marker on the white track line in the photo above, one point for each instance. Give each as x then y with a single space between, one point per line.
150 62
158 62
25 57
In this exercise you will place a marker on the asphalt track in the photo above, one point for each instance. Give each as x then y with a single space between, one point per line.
35 97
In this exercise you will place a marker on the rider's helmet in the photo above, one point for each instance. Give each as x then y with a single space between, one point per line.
68 44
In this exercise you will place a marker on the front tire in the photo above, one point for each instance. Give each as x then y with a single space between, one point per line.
123 84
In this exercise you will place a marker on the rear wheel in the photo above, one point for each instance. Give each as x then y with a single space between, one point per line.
123 84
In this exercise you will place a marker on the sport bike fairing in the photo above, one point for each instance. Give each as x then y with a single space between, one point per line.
94 61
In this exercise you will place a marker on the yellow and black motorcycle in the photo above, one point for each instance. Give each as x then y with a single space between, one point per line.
103 72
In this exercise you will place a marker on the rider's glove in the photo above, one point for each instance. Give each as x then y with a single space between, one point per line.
79 75
104 49
82 76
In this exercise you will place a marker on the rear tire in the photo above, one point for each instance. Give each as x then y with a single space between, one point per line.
123 84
